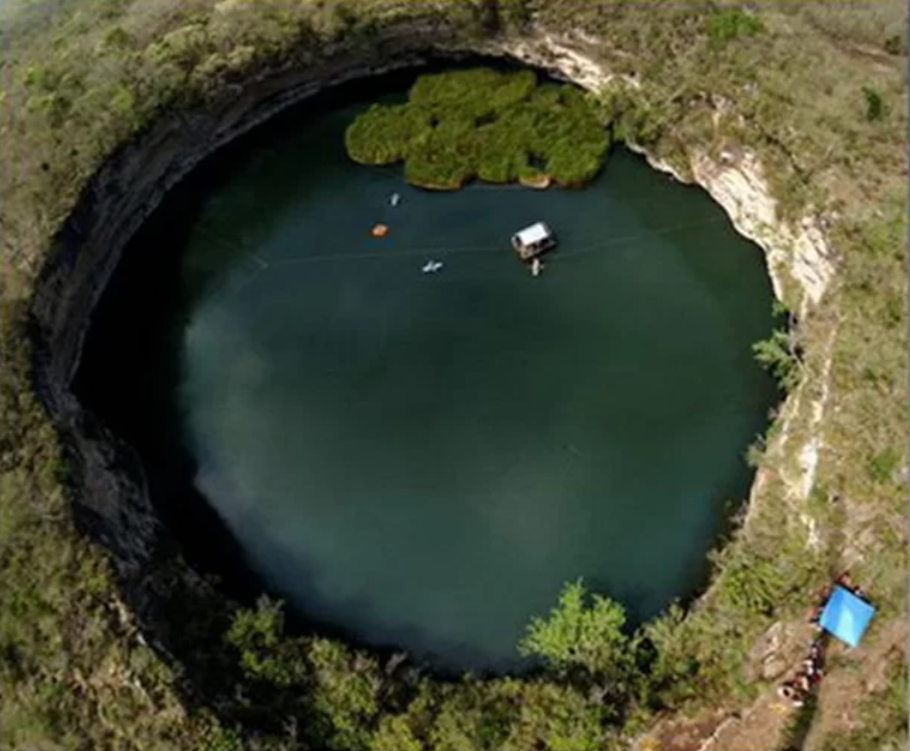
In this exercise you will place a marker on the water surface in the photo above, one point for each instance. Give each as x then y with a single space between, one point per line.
422 460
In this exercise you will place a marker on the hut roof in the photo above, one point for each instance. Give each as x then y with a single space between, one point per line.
533 234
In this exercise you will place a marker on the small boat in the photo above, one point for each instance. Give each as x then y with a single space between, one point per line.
395 199
379 230
431 267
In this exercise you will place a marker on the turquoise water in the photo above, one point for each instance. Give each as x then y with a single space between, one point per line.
420 461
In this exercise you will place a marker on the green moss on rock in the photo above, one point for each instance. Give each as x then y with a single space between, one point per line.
481 123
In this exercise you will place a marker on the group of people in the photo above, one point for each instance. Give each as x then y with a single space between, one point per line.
798 688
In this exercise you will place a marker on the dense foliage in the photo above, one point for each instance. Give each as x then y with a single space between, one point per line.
812 88
481 123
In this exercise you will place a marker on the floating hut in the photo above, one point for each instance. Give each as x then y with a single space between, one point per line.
533 241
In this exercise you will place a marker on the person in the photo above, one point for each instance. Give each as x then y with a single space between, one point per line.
785 690
816 649
845 581
809 669
821 599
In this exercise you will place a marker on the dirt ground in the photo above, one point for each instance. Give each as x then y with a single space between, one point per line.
843 689
763 726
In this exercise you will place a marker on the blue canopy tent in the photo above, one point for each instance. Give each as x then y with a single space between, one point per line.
846 616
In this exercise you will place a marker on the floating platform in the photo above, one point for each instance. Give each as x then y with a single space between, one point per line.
533 241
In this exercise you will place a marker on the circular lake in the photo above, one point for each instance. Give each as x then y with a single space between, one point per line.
420 460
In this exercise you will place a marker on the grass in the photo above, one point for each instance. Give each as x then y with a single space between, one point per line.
790 81
481 123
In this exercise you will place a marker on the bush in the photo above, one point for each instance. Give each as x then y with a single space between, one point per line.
895 45
732 23
875 107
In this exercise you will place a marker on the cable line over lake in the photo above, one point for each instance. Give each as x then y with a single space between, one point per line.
570 251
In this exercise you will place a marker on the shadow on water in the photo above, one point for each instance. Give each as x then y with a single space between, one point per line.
129 374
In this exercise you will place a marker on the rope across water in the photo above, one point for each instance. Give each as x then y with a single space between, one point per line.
587 246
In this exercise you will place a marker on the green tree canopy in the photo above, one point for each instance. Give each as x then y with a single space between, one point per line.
578 633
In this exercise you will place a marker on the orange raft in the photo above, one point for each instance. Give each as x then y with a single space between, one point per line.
379 230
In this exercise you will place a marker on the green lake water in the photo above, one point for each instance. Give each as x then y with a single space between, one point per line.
420 461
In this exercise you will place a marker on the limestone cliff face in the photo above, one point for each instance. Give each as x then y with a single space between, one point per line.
113 501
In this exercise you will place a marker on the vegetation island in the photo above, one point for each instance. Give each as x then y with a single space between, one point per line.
499 127
111 641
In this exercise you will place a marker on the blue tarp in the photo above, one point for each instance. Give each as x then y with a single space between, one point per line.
846 616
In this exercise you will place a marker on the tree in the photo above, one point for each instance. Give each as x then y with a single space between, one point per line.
345 693
264 654
670 664
578 634
395 734
779 353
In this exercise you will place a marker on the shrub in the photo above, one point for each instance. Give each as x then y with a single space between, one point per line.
875 107
732 23
894 45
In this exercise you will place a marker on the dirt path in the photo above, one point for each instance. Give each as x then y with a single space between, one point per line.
759 728
763 726
682 734
845 687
